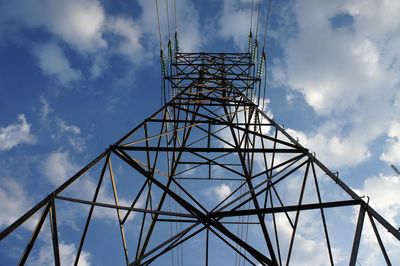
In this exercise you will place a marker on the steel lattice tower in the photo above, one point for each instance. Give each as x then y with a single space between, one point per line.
211 133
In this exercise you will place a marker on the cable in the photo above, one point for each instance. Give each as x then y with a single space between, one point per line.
251 17
176 22
266 24
250 37
163 66
170 55
258 18
158 23
169 28
263 51
265 85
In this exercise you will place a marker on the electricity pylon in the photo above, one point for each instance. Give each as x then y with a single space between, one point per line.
211 179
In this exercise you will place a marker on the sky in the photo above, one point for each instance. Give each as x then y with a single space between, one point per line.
76 75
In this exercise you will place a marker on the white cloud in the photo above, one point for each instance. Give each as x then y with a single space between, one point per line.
128 31
392 150
45 109
53 62
191 38
308 248
383 192
61 129
99 65
234 21
384 195
392 153
189 28
77 22
83 26
59 167
16 134
347 74
331 149
67 255
13 201
72 133
64 127
219 192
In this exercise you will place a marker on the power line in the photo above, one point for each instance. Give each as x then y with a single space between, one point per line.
251 17
169 28
176 22
258 18
266 24
158 24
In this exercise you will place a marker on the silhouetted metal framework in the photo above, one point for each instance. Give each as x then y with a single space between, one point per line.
214 178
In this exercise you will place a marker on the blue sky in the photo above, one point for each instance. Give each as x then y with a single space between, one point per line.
76 75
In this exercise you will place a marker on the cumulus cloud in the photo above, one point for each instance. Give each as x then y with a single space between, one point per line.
83 27
331 149
53 62
128 31
234 21
219 192
383 192
13 201
346 72
309 247
59 166
392 150
67 256
16 134
384 198
189 28
77 22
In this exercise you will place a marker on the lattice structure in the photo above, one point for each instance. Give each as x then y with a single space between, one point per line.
210 179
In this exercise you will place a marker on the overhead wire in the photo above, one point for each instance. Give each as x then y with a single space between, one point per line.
162 61
239 232
251 17
178 208
176 42
264 55
176 46
158 24
169 33
258 18
253 51
250 37
250 40
167 127
175 20
169 27
255 48
170 52
266 24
